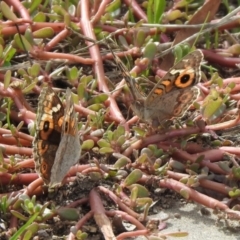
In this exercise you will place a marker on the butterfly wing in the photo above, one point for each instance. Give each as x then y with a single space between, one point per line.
48 132
69 150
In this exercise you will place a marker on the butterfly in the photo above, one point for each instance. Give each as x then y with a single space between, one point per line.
172 96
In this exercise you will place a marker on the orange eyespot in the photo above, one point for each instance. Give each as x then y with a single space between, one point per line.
185 97
177 111
66 126
185 79
44 168
43 145
46 126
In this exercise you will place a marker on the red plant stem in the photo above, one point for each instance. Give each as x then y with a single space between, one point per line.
80 223
215 186
13 141
99 215
78 168
221 60
21 178
95 54
13 224
95 7
193 194
20 8
11 30
135 52
118 201
78 202
55 40
231 150
219 187
27 163
136 145
100 11
8 28
224 125
180 154
92 169
34 188
133 234
226 81
17 97
170 135
12 150
23 114
16 134
213 155
190 147
137 11
118 89
126 217
53 55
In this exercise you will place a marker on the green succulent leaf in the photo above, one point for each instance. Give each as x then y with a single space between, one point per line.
39 17
24 227
150 51
34 5
87 144
234 193
81 235
46 32
119 132
7 12
236 172
70 214
18 41
143 158
184 193
121 162
32 229
72 73
86 79
30 86
213 105
101 98
121 140
96 107
174 15
141 190
106 150
8 54
19 215
1 51
103 143
81 91
113 6
140 38
133 177
34 70
7 79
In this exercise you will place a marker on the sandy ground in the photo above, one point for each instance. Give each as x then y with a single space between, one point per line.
198 226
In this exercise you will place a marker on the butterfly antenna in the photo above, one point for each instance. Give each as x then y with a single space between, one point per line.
24 47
